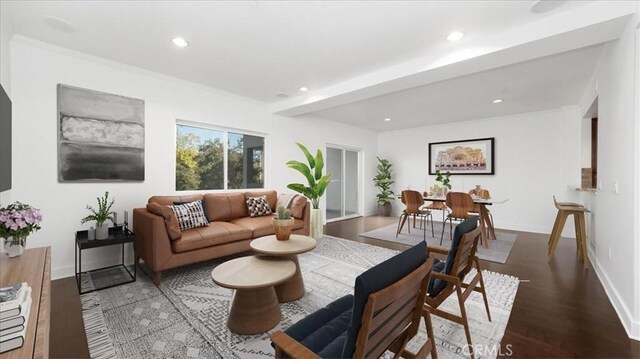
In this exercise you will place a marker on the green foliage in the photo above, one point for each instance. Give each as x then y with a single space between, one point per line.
443 178
317 183
103 213
383 182
283 213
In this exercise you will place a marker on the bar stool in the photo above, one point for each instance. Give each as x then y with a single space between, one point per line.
566 209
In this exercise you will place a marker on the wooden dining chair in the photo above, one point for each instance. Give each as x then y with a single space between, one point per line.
448 277
566 209
484 194
413 202
461 204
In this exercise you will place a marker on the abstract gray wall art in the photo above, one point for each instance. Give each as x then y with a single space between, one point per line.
100 136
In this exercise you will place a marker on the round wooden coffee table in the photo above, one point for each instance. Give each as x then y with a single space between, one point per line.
255 308
293 288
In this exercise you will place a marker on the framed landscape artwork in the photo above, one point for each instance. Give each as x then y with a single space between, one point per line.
100 136
467 157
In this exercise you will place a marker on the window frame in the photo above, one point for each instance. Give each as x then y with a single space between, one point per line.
225 137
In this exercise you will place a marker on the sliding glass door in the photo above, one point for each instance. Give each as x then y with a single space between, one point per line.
343 195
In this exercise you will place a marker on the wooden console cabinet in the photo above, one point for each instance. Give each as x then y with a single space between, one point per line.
33 267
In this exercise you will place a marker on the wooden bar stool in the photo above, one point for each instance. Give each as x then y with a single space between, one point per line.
566 209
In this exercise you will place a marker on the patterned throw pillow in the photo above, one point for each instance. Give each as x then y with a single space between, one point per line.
258 206
190 215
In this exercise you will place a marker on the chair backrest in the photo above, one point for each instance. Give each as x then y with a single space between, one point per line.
459 243
466 252
412 200
375 279
393 312
460 204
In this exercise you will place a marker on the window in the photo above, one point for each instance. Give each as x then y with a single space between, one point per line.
210 159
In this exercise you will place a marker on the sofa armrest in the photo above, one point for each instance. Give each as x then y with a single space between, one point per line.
152 241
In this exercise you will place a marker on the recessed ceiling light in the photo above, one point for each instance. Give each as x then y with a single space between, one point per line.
282 95
498 100
59 24
180 42
303 89
542 6
387 119
455 36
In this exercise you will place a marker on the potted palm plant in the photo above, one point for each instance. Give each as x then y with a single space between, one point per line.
282 223
101 215
316 185
382 181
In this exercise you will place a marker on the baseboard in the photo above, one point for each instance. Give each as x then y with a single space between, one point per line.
631 326
69 270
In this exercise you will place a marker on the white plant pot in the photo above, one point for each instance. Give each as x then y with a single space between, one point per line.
102 232
14 246
316 223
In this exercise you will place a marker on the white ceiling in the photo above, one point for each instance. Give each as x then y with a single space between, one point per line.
546 83
258 49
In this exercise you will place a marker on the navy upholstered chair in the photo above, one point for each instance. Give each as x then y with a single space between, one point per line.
447 277
384 313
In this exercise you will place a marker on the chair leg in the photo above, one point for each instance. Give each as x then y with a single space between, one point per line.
483 291
444 223
430 337
401 221
556 235
451 228
465 321
433 235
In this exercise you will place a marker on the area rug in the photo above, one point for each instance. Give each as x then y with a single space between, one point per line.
185 317
498 250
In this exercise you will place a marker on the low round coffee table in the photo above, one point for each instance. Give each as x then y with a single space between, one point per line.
255 308
293 288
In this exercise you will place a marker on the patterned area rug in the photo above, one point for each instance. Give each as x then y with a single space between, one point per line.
498 250
185 317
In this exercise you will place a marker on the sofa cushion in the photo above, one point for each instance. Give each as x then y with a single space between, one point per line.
190 215
258 206
379 277
170 220
324 331
214 233
262 226
461 229
436 285
294 202
225 206
169 200
272 197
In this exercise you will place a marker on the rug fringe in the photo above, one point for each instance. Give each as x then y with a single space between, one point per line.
98 339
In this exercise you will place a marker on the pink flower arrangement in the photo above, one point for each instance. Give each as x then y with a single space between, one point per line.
19 220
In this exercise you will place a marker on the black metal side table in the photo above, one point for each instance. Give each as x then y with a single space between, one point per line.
116 236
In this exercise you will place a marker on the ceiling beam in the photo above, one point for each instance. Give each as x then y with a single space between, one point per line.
585 26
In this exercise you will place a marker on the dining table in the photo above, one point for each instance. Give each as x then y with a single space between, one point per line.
486 225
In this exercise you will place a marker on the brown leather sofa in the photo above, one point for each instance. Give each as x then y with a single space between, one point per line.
162 246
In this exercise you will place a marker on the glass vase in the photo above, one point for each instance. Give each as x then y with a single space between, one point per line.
14 246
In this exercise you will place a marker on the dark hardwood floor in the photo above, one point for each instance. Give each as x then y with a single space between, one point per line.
560 310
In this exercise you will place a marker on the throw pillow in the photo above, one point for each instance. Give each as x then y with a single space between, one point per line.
294 202
190 215
170 220
202 201
258 206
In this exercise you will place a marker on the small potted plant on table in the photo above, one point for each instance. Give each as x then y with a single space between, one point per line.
443 178
283 223
101 215
17 221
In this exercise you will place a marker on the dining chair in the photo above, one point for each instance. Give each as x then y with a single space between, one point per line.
484 194
413 202
383 314
448 277
461 204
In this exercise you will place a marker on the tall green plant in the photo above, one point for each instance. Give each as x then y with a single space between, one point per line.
383 182
103 213
317 183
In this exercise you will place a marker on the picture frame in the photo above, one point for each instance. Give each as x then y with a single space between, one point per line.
463 157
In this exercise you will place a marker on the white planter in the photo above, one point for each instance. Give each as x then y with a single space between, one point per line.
316 223
102 232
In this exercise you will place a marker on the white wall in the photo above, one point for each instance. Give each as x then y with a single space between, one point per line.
537 155
613 250
6 32
39 67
